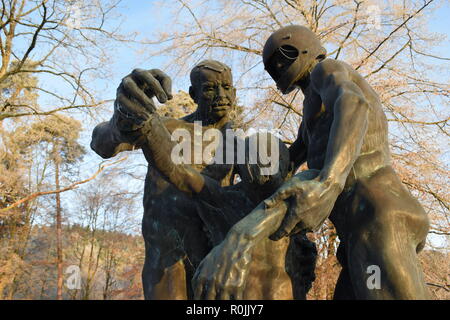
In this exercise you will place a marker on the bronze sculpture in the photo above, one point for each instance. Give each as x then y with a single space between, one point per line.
174 222
343 135
173 232
221 208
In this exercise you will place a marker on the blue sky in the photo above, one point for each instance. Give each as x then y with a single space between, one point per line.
146 18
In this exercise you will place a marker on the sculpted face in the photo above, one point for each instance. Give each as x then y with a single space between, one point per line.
278 68
214 93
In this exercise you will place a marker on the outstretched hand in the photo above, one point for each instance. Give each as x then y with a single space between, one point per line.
311 202
134 97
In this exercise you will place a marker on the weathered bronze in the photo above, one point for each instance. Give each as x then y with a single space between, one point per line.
343 135
221 208
247 259
185 212
175 242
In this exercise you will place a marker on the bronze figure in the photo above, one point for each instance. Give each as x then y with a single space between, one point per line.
220 208
183 219
175 242
343 135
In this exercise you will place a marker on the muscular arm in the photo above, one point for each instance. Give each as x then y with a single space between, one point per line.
158 147
114 136
223 273
332 81
314 200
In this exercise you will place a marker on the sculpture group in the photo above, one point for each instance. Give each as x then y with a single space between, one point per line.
209 235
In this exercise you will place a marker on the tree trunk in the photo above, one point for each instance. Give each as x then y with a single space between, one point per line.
59 259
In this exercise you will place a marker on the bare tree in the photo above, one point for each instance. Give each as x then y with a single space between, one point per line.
51 51
62 134
107 213
64 42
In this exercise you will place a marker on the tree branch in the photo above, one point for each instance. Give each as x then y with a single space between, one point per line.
70 187
391 33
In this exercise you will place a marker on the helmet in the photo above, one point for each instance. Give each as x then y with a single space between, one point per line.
289 53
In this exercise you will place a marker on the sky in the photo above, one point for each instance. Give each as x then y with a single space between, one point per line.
146 18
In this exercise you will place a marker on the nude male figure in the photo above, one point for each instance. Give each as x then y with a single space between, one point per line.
173 225
343 135
175 242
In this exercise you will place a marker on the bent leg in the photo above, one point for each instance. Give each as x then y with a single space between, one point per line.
385 268
163 275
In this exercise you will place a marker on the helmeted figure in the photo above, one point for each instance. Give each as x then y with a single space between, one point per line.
344 136
285 46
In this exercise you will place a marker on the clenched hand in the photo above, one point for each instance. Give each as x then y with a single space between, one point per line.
134 97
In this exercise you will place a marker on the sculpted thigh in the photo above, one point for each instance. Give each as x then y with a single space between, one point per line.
173 230
382 205
384 227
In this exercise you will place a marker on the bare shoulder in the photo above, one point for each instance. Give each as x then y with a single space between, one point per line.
332 65
332 73
330 68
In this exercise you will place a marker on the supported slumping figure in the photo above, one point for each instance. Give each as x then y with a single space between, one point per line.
272 264
343 135
175 221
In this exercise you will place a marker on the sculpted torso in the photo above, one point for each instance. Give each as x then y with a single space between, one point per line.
343 138
317 121
220 172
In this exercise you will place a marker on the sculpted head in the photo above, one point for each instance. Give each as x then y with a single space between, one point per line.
212 89
290 54
272 154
